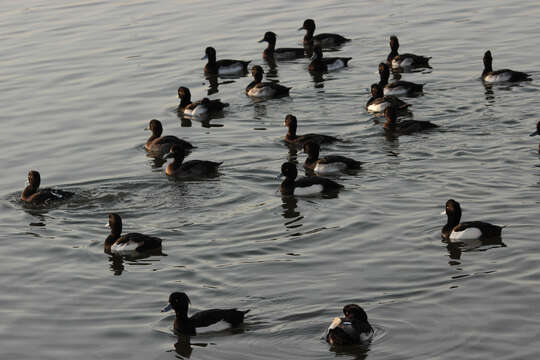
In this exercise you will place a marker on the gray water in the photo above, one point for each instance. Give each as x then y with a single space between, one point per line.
80 82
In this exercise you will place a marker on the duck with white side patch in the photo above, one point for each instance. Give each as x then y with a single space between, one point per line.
457 231
322 64
259 89
504 75
379 102
353 328
329 164
131 242
224 66
306 185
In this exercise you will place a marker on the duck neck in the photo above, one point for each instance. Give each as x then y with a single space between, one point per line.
185 101
453 220
385 75
28 191
271 46
308 38
392 55
487 67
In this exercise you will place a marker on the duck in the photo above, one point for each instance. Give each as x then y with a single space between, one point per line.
397 60
405 127
330 163
379 102
187 325
271 53
32 194
504 75
322 64
131 242
537 132
454 230
353 328
192 168
305 185
259 89
224 66
160 145
324 40
291 138
198 108
399 87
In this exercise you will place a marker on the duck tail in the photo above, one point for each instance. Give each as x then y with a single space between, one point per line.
235 317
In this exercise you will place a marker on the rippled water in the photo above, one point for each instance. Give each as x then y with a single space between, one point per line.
80 82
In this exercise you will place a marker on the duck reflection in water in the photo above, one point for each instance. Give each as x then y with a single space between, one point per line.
183 346
290 205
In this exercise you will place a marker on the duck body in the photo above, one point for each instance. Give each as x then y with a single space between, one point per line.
399 87
32 194
259 89
454 230
322 64
292 138
504 75
193 168
328 164
305 186
379 102
325 40
351 329
188 325
127 243
407 60
271 53
198 108
223 67
161 145
405 127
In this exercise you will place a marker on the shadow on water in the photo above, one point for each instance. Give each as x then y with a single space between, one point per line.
117 260
455 249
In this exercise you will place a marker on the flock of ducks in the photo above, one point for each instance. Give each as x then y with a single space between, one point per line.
353 327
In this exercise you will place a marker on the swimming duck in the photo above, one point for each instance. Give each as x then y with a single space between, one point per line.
259 89
328 164
305 185
191 168
201 107
322 64
224 66
537 132
179 302
398 87
488 75
405 127
324 40
352 329
118 243
378 102
291 138
32 194
271 53
470 230
397 60
161 145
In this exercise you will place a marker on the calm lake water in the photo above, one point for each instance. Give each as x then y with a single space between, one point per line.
81 80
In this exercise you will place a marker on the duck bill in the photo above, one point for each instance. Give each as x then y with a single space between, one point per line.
534 133
204 57
314 56
262 40
300 28
166 308
335 323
